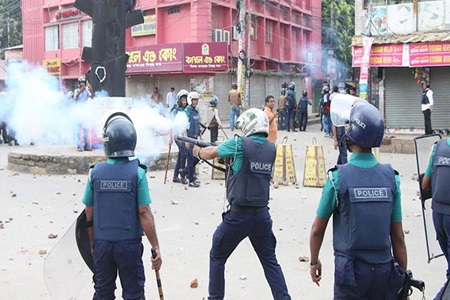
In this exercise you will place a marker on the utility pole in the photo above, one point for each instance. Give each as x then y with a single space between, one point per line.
241 54
247 69
331 41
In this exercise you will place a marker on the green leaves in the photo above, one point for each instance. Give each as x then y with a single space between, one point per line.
337 33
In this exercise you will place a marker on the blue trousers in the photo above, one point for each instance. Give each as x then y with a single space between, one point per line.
303 116
282 119
235 112
442 227
181 159
290 119
191 163
235 227
125 258
357 280
342 158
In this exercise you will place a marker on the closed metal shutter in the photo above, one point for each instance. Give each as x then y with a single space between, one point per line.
258 91
402 99
440 85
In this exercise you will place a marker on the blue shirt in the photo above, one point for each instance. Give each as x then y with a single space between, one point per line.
143 194
327 203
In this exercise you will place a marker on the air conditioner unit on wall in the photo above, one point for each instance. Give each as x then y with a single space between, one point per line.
217 35
225 36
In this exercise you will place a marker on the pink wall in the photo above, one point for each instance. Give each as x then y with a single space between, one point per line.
291 39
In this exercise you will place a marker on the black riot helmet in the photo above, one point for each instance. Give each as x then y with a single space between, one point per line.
305 93
119 136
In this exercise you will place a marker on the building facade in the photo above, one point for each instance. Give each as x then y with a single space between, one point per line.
187 45
404 43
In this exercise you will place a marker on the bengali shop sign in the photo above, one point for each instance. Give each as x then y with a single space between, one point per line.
155 58
200 57
53 66
383 55
429 54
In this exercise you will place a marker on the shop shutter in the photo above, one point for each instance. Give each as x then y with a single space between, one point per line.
440 85
402 99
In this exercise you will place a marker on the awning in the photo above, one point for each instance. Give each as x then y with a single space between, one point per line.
441 36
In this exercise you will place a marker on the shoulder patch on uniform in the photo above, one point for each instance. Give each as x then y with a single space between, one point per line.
143 167
332 169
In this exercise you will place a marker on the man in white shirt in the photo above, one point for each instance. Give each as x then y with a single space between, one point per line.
171 99
427 106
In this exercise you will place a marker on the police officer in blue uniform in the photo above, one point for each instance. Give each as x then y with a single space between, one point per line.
248 184
437 176
182 155
193 131
364 198
117 212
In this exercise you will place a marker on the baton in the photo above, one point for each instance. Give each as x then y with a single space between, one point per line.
167 163
199 143
158 278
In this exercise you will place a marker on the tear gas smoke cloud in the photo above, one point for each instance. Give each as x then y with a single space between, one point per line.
38 112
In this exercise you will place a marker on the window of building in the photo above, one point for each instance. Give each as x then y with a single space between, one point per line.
51 38
70 35
173 9
86 33
269 32
375 3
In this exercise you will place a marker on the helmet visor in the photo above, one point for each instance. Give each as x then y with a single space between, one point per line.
340 109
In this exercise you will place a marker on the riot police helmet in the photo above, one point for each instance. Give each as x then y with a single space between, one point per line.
253 121
192 95
305 93
82 79
366 125
291 86
181 94
119 136
213 101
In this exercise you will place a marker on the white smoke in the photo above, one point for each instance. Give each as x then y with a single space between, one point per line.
38 112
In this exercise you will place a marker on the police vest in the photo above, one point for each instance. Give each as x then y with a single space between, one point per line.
425 99
194 122
116 215
303 103
440 186
250 186
362 220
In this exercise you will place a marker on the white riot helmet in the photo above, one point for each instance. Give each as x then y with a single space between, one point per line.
192 95
253 121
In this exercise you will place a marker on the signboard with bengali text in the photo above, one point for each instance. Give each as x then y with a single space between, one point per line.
146 28
53 66
155 58
429 54
383 55
200 57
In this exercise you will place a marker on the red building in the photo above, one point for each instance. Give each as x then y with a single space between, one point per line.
187 44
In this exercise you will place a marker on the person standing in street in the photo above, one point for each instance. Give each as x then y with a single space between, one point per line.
281 110
303 110
339 143
364 198
427 106
118 211
171 99
82 95
193 132
271 115
234 98
248 188
437 177
182 152
213 119
290 104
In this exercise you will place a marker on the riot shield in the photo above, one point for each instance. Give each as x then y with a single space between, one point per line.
423 146
65 271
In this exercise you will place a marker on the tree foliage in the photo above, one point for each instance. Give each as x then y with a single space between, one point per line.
10 24
337 35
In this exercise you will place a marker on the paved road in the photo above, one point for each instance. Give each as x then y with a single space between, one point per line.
38 205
